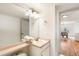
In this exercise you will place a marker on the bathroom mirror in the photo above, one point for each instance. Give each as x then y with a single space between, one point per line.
17 21
35 25
14 24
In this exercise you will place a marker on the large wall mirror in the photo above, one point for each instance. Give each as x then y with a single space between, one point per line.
15 23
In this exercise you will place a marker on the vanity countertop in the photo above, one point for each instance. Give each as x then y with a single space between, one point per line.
40 43
12 48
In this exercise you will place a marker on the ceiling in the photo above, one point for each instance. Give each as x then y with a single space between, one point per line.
72 16
19 9
12 9
71 10
64 7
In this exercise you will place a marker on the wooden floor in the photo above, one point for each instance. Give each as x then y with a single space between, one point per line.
70 47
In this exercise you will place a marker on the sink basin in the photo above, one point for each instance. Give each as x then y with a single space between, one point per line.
40 42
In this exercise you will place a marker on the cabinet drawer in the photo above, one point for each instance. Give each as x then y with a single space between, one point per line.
45 52
45 47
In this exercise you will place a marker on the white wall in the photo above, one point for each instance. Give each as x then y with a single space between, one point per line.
39 27
48 30
76 27
73 28
34 27
70 28
9 30
58 31
42 27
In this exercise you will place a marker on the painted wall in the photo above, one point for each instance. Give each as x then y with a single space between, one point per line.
76 27
39 27
34 27
73 28
47 26
70 28
9 30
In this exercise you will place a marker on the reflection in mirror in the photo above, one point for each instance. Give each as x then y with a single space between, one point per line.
17 23
14 24
24 27
34 23
33 17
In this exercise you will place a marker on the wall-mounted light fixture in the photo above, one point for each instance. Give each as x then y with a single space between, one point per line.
28 12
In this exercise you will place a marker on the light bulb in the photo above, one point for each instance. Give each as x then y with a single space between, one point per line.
64 16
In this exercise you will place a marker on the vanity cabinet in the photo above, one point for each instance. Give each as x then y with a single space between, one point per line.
42 50
14 49
45 50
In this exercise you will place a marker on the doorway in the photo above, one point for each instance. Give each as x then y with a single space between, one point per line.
70 25
24 27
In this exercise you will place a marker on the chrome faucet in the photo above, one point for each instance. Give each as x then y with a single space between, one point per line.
37 39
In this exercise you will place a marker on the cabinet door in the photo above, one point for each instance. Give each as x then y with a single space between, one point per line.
35 51
45 52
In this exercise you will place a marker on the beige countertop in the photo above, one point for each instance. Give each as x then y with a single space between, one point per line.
40 43
20 45
12 48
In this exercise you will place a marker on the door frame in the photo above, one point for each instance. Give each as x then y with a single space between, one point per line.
73 9
21 27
